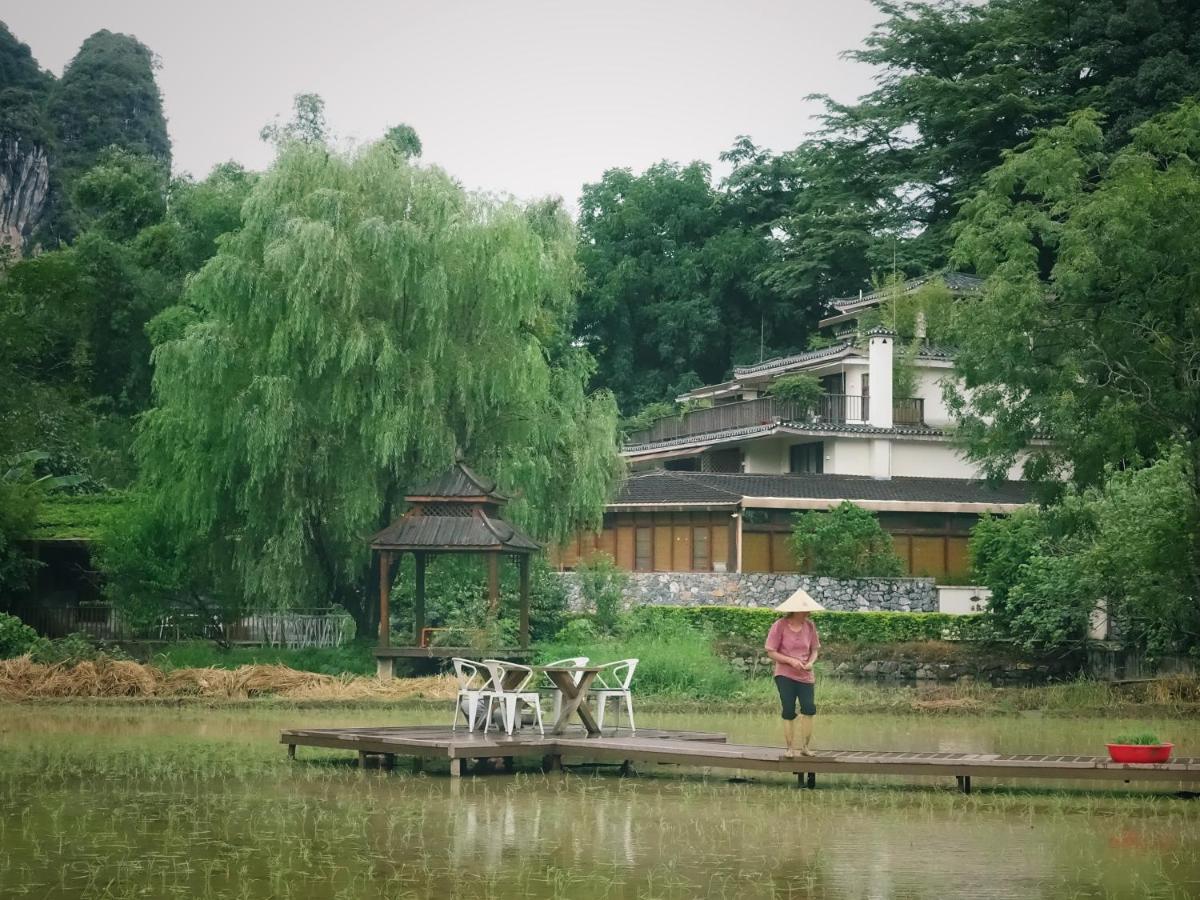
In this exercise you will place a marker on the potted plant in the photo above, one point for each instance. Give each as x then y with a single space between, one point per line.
1142 747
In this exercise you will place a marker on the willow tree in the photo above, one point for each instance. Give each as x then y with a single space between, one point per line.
369 319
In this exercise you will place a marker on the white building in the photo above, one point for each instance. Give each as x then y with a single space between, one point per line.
738 458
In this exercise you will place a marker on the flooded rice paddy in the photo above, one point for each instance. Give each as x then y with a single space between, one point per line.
104 802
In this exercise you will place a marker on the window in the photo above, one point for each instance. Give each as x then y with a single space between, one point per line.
808 459
701 558
688 464
645 549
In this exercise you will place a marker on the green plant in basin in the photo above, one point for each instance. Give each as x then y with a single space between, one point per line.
1139 739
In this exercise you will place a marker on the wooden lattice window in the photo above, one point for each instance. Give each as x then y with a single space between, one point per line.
459 510
645 550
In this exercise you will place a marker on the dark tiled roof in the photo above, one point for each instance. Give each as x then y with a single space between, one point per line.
459 481
957 282
661 486
695 487
457 532
791 427
782 362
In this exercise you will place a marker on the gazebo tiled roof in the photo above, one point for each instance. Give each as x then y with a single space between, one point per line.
457 511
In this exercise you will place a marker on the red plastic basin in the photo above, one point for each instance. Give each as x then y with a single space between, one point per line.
1139 753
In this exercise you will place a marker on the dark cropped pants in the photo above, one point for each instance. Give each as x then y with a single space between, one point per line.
791 691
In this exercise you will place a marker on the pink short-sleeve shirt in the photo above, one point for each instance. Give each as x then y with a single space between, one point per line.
802 644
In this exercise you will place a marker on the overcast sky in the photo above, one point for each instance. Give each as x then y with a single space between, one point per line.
529 97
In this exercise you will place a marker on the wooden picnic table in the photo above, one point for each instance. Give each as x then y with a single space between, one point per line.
574 695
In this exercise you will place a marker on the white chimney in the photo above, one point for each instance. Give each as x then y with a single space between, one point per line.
880 343
880 346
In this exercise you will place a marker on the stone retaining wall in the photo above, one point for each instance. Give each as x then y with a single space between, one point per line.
769 589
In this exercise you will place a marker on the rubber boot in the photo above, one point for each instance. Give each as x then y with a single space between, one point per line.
806 732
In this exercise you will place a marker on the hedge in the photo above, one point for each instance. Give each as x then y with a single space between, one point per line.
835 627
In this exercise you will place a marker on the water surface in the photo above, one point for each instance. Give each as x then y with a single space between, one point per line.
192 802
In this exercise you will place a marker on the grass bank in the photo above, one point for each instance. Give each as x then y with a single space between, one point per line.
117 682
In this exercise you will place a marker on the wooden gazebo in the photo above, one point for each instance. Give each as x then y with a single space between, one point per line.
458 512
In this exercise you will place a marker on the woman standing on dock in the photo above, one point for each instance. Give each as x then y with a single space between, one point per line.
793 644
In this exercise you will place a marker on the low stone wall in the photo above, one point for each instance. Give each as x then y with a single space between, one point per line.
769 589
929 661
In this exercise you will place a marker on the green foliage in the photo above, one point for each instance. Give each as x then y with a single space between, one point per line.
406 140
671 295
1087 332
107 97
75 324
845 542
307 125
122 194
672 660
602 586
356 657
1138 739
803 390
74 648
16 638
456 599
649 414
153 568
1130 545
751 624
22 491
63 516
24 90
369 318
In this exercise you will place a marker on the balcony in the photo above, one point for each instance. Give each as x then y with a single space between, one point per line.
833 409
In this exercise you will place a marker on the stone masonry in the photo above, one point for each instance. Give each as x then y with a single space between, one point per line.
769 589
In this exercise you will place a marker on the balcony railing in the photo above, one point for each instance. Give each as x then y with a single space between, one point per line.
836 409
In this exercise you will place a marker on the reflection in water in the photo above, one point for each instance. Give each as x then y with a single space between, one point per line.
164 803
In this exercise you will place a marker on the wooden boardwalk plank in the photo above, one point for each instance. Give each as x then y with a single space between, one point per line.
712 750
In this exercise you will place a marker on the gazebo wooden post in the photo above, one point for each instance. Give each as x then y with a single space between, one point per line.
419 598
385 666
523 568
493 574
385 589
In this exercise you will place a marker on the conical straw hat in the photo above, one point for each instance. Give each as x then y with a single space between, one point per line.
799 602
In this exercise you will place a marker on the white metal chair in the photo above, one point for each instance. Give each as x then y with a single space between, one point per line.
613 681
511 697
574 662
474 686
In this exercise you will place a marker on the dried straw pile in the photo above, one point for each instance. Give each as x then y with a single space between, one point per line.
23 679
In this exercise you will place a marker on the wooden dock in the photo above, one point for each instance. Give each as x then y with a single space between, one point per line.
711 750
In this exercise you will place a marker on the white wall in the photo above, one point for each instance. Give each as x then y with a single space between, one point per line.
929 389
768 456
929 459
847 456
961 600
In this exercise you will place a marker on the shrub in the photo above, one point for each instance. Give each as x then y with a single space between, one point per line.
673 658
845 542
751 624
1130 543
73 648
803 390
357 658
16 638
602 586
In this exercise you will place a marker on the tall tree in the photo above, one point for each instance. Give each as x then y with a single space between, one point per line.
1088 332
961 82
367 319
672 296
